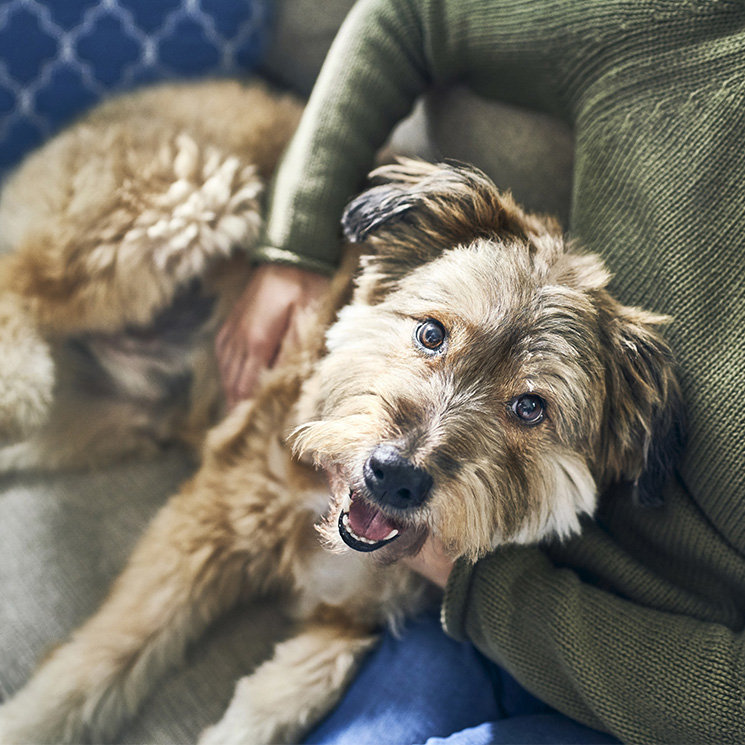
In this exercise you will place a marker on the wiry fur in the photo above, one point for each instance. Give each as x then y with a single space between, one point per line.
522 313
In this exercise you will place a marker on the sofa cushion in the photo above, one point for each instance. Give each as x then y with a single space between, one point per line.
60 58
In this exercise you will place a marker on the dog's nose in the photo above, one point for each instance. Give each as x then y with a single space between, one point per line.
395 481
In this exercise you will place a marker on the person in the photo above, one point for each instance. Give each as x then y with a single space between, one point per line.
634 628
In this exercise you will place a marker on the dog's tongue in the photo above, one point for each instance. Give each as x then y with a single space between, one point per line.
369 522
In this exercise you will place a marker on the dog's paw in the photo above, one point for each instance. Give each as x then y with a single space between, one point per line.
214 735
50 708
226 733
241 724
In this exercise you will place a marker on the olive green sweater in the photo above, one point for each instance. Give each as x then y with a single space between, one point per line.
636 627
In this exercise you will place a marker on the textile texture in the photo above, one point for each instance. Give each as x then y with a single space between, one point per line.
60 58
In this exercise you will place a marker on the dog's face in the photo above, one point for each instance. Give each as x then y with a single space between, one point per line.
482 385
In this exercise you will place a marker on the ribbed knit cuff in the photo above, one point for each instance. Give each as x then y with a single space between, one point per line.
267 254
453 611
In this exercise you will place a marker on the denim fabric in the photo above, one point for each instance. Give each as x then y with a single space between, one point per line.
425 687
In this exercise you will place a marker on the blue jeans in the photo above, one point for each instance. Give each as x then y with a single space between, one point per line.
425 687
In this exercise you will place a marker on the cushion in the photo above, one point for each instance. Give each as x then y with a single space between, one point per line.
304 32
60 58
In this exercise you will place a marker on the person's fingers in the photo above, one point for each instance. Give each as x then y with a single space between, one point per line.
259 328
251 351
247 378
225 357
432 562
230 343
291 337
233 368
222 339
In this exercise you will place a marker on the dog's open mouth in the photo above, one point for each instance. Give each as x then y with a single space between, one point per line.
364 527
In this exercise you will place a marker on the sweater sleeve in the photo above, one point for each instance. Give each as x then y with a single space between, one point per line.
386 53
373 73
642 674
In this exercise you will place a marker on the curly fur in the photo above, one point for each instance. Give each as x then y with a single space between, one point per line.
117 236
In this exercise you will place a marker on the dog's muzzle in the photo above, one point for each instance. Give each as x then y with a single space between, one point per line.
391 481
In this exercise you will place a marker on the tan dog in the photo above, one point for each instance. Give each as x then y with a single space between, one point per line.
480 386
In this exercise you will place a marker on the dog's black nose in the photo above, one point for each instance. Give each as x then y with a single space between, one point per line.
394 481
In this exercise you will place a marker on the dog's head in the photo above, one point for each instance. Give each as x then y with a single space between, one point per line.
482 385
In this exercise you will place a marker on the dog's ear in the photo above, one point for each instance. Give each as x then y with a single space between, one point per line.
644 433
452 203
416 210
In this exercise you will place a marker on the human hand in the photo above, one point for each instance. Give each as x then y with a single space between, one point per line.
260 327
432 562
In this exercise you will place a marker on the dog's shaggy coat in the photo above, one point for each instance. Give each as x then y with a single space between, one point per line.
471 379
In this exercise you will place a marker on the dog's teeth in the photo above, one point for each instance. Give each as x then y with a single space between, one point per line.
361 538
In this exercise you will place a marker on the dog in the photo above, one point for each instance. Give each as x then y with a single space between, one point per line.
468 377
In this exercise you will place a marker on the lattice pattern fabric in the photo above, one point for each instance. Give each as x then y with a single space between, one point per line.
58 57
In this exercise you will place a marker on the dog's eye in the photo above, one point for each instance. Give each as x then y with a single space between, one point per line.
430 335
528 408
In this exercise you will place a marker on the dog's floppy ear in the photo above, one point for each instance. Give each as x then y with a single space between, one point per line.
415 210
453 203
645 425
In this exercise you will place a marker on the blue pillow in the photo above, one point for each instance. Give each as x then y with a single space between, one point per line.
59 57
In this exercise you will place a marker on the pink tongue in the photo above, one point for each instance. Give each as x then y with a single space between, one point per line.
369 522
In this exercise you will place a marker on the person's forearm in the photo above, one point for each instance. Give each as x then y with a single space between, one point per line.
388 52
371 77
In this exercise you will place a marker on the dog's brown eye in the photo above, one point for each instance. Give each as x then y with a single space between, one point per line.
529 408
430 334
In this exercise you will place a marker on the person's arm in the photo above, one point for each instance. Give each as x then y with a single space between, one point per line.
385 55
369 81
387 52
615 665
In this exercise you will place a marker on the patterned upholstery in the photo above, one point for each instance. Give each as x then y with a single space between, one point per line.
58 57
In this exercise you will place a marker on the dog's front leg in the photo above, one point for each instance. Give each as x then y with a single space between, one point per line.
293 690
186 570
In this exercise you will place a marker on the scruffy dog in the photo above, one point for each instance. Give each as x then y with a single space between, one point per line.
479 385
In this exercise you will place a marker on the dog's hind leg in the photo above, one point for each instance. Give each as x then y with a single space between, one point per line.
183 574
223 535
86 432
291 692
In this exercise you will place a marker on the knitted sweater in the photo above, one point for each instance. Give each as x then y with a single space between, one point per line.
636 626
